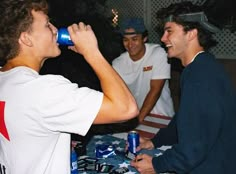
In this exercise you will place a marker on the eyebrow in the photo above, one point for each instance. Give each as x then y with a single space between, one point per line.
166 28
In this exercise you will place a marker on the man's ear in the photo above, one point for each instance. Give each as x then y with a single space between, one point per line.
25 39
193 34
145 39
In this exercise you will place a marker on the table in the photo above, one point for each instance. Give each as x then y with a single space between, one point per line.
117 161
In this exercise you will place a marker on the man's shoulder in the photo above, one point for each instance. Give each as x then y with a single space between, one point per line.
121 58
154 48
155 52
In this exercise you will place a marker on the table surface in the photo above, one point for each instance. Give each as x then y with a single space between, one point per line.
117 161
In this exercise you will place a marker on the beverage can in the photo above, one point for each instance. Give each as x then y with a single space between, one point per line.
74 162
105 151
63 37
133 141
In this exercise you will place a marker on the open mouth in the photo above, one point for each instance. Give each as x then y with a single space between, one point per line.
168 45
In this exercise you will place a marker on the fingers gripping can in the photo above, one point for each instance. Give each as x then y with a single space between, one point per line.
63 37
133 141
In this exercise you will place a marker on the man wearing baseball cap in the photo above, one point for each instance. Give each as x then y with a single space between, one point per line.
205 120
145 70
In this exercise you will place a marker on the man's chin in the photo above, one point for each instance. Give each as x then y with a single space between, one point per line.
58 53
55 55
170 55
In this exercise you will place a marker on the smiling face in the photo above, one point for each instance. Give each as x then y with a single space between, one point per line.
134 44
175 39
43 37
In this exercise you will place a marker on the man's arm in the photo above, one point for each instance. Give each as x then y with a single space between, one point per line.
166 136
151 98
118 103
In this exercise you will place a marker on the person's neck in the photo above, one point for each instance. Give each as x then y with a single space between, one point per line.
16 62
138 56
191 56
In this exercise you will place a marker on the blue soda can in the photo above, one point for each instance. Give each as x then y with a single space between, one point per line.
133 141
105 151
63 37
74 162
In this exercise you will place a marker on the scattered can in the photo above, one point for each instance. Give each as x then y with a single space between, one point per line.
74 162
63 37
133 141
105 151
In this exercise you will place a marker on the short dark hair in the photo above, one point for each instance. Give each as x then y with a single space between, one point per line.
205 36
16 17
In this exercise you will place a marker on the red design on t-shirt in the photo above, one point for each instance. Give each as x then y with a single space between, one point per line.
147 68
3 128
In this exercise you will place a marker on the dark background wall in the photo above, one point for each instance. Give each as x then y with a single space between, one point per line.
72 65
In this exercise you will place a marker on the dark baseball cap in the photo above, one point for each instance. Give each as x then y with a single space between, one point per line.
196 17
136 23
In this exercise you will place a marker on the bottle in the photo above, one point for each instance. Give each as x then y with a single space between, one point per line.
74 162
63 37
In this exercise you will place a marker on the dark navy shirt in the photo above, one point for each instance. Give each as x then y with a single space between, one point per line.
205 124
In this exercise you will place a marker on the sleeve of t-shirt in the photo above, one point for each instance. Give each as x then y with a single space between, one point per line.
67 108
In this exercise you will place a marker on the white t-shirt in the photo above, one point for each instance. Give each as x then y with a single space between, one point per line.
138 74
39 113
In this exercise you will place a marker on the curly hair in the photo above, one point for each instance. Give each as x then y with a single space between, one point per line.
16 17
205 37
